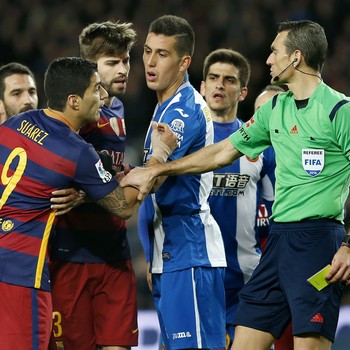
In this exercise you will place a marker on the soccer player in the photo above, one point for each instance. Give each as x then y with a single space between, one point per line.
40 151
240 188
187 252
93 281
19 94
309 130
18 91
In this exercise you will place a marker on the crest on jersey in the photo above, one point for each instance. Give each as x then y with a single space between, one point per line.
118 125
7 225
177 125
313 161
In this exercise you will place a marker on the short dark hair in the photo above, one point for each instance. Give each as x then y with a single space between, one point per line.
106 39
231 57
308 37
66 76
178 27
11 69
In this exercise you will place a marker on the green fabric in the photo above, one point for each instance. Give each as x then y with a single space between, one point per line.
298 195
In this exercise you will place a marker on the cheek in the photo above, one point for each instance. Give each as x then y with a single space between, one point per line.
170 74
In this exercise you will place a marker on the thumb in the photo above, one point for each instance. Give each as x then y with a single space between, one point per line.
154 125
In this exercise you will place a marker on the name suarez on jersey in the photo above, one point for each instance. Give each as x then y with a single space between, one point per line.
33 132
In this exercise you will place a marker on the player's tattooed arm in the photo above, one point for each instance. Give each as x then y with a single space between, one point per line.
121 202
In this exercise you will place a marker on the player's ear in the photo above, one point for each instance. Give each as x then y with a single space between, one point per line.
202 88
73 102
243 94
185 63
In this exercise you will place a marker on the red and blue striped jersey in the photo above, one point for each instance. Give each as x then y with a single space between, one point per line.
39 154
89 233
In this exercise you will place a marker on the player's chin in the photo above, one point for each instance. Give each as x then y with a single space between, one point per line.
151 84
97 115
118 91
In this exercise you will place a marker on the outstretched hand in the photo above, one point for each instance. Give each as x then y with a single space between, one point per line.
164 141
140 178
67 199
125 171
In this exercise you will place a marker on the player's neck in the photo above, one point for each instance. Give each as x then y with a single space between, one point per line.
63 118
224 116
108 101
304 87
170 90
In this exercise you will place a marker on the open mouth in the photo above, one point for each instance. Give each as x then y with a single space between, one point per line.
151 76
218 96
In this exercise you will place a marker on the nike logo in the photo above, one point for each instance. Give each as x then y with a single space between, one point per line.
133 331
101 125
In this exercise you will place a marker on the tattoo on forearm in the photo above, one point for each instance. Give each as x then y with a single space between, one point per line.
115 202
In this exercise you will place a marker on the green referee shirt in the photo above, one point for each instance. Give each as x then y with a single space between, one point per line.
312 147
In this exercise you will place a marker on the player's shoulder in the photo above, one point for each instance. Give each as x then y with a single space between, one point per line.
189 103
332 101
32 115
116 109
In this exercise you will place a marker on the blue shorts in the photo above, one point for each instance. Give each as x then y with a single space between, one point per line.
278 290
191 307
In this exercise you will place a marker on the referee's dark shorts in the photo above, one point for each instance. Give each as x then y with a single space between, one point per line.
278 290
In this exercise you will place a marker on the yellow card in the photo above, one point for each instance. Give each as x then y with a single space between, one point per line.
318 280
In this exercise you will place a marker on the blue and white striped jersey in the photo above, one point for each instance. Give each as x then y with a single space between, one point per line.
185 233
238 190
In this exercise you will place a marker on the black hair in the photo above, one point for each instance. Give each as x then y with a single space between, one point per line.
178 27
230 57
11 69
308 37
66 76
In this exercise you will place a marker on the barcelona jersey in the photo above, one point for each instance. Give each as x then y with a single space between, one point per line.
89 233
38 155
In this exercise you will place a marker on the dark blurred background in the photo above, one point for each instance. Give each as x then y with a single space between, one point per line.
34 32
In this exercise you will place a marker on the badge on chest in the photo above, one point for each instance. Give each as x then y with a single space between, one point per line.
313 161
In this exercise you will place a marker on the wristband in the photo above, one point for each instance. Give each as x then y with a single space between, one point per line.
161 151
